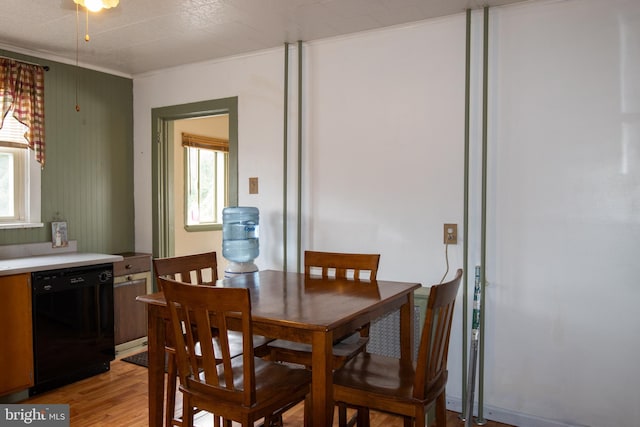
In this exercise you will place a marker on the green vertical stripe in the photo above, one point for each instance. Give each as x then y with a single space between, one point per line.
285 157
299 156
465 246
483 238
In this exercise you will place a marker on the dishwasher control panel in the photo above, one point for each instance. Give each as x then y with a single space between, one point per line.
73 277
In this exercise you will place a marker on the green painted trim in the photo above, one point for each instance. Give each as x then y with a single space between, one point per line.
285 156
299 243
483 232
203 227
162 185
465 244
162 163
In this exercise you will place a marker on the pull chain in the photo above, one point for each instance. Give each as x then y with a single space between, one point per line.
86 36
86 39
77 50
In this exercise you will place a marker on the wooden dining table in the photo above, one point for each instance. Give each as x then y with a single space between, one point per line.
295 307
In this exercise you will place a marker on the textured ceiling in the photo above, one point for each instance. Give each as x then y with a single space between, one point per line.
140 36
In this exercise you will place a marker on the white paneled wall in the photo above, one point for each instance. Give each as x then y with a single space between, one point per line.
382 171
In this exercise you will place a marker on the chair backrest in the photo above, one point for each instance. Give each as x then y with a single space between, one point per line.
199 366
197 269
431 366
341 265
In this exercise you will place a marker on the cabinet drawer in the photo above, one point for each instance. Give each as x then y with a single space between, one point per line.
132 264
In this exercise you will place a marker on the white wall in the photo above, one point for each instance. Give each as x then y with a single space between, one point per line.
384 160
258 83
383 170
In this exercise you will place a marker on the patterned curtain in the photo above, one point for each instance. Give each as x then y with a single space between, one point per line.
22 87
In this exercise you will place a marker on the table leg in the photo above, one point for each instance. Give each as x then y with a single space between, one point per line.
322 379
406 329
155 337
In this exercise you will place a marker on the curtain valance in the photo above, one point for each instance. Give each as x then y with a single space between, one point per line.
22 88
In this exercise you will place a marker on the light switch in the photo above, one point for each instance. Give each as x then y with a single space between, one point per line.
253 185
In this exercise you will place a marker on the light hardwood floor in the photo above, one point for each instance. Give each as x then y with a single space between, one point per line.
119 398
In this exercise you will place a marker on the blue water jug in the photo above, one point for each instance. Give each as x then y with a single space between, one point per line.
240 225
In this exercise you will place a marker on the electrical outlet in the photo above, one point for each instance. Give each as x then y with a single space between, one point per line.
253 185
451 234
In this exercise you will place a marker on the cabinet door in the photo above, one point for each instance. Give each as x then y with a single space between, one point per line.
130 317
16 356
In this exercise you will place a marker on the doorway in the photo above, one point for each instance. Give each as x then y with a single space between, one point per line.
163 164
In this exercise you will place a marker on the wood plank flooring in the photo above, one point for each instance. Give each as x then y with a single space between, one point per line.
119 398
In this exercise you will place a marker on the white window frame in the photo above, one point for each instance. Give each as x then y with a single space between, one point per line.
221 186
27 182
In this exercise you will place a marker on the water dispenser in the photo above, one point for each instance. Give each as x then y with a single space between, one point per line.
240 243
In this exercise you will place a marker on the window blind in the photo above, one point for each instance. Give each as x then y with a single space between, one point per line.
12 132
205 142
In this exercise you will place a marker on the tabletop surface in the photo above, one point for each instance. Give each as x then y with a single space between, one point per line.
309 302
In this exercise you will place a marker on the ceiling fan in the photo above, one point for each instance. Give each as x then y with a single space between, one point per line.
97 5
87 6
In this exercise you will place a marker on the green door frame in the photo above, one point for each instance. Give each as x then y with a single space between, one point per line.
162 119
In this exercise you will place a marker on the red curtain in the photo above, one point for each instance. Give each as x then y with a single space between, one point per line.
22 87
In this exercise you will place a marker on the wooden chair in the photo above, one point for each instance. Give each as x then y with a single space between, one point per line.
196 269
243 389
189 268
409 389
341 266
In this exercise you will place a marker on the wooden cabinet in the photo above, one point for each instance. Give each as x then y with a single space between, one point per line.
132 277
16 353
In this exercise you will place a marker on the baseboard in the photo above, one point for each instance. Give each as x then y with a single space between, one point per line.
128 348
508 417
15 397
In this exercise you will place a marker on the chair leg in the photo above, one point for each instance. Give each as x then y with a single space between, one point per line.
342 414
307 410
441 410
356 419
187 412
363 417
276 420
170 405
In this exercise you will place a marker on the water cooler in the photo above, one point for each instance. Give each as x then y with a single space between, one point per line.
240 243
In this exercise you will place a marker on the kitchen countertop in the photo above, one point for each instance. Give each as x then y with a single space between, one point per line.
53 261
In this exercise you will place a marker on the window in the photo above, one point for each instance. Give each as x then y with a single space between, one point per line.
19 178
206 186
21 142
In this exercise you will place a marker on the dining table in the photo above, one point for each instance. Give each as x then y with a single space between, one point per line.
297 307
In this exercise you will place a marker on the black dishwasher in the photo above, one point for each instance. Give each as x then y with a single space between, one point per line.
72 324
